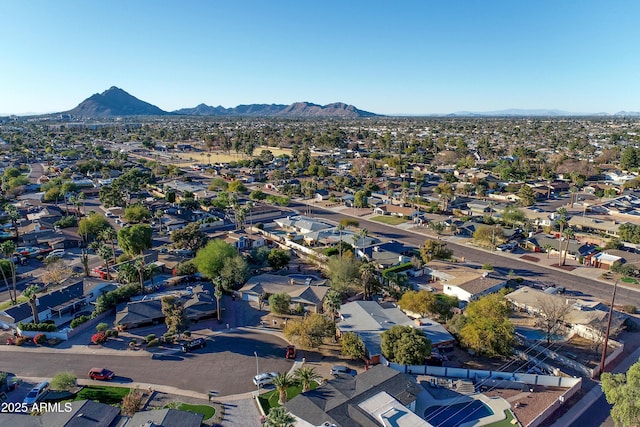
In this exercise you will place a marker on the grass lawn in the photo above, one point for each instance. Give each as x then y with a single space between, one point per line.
629 280
8 304
206 411
103 394
270 400
389 220
504 423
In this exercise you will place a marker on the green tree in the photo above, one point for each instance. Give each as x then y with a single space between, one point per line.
280 303
360 199
236 187
190 237
63 381
279 417
311 331
91 226
526 195
405 345
512 215
175 315
344 273
568 234
136 213
368 279
623 392
487 329
420 302
434 249
305 376
135 239
278 258
352 346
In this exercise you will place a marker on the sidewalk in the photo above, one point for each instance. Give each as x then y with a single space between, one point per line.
594 394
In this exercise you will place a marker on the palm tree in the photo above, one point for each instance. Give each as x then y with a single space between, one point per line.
8 248
367 275
306 376
14 216
106 254
547 248
81 198
363 234
568 234
31 294
218 294
158 215
279 417
340 230
562 222
331 303
109 235
283 381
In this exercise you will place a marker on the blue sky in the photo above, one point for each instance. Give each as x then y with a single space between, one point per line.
410 57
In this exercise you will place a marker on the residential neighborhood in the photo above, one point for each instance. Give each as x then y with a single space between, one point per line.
356 272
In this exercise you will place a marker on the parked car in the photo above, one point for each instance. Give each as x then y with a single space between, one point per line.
342 370
194 344
291 352
37 393
102 374
56 253
264 379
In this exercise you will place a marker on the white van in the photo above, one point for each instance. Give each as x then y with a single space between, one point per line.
37 393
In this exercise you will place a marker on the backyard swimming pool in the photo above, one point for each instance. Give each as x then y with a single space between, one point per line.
454 415
537 335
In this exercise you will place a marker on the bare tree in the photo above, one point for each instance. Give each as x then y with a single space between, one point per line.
599 330
551 317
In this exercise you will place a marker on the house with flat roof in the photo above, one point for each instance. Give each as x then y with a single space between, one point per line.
368 320
471 285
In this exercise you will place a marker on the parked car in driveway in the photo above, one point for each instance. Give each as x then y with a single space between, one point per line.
37 393
291 352
264 379
342 370
194 344
102 374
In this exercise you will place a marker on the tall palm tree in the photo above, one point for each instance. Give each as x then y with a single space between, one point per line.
158 215
217 293
562 222
547 248
109 235
31 294
340 230
106 254
8 248
305 376
283 381
568 234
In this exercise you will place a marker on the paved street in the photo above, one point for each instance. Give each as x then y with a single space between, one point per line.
226 365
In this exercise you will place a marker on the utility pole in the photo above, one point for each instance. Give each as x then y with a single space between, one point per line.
606 336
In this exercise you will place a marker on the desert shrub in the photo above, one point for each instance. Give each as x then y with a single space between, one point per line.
39 339
487 266
102 327
153 343
99 338
150 337
114 333
629 308
108 333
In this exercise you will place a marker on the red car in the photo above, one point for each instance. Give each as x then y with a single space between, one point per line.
101 374
291 352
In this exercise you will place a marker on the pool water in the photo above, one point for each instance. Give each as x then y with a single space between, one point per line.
454 415
537 335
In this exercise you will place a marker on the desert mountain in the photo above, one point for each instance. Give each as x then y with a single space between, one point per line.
117 102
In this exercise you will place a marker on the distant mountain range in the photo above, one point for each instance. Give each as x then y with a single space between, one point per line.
515 112
117 102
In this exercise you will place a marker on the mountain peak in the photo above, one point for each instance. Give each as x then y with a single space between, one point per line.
115 102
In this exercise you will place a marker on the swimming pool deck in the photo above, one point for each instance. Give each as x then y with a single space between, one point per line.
425 400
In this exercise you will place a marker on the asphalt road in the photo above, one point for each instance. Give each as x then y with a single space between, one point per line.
501 262
227 365
597 415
